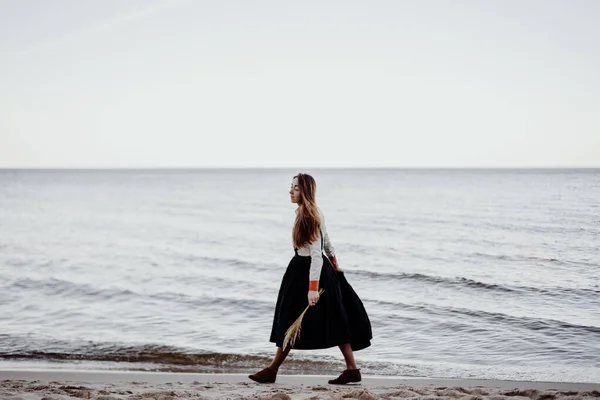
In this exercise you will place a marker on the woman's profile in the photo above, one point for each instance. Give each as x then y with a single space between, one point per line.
337 317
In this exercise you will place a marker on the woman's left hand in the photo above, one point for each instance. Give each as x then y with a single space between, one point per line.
313 297
335 265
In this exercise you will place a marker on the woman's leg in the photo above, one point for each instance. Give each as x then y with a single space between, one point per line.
348 356
269 374
279 358
351 374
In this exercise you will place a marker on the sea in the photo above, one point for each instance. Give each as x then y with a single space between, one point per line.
465 273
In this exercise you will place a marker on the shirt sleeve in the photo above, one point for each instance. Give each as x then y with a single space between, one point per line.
316 264
327 245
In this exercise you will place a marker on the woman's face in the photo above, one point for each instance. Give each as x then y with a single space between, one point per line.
295 191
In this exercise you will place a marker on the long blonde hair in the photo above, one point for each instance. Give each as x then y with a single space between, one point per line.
308 221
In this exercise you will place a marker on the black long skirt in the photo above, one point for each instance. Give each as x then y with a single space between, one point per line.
339 316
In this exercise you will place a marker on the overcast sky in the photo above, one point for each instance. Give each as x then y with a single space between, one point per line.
197 83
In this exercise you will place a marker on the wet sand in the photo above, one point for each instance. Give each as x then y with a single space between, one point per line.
112 385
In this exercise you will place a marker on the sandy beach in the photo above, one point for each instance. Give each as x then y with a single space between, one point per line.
108 385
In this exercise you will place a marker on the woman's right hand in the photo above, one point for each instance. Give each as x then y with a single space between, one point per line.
313 297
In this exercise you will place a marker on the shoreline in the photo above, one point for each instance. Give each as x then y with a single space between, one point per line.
111 376
371 381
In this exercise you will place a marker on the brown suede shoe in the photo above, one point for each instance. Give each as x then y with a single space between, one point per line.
267 375
348 376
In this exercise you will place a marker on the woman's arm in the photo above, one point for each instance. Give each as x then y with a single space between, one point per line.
328 246
316 264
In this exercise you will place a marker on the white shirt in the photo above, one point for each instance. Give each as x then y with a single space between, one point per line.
314 251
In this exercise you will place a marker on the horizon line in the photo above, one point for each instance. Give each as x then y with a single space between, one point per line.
148 168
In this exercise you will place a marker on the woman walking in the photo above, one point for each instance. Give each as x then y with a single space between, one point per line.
337 317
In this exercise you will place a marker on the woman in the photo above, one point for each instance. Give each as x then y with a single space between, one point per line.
337 317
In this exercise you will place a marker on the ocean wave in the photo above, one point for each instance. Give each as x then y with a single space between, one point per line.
471 283
54 286
63 288
552 327
517 257
168 358
535 259
233 262
221 302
